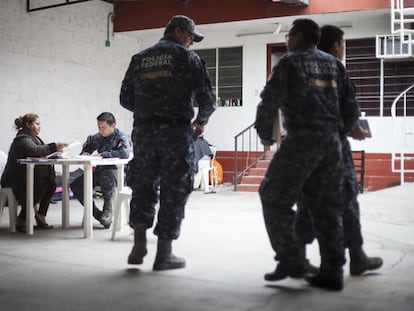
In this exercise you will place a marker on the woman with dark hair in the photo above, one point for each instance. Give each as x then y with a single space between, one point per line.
27 143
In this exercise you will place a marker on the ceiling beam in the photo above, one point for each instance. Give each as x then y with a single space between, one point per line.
149 14
67 2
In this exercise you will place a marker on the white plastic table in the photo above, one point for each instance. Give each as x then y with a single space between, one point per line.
87 163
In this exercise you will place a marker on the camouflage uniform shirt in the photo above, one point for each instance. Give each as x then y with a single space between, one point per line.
161 80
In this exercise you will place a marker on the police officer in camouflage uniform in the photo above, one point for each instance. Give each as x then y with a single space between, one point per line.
109 142
158 87
308 86
332 42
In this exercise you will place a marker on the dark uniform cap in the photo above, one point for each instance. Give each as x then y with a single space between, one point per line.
186 23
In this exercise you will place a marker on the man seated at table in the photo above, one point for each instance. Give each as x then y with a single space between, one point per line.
109 142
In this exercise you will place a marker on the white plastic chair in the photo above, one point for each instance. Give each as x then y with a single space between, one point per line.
121 211
7 196
209 172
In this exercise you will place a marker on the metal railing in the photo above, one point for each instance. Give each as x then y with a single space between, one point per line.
400 131
401 16
398 44
249 143
394 46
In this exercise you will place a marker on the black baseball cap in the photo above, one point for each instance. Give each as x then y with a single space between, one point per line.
186 23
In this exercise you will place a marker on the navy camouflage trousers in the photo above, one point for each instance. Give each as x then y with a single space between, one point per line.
162 170
351 217
310 164
105 177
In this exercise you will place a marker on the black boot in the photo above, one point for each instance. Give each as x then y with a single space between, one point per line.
139 250
334 281
283 270
361 263
165 259
295 270
97 213
106 219
309 268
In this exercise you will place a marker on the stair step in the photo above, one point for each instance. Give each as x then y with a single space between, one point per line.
262 164
251 179
248 188
256 171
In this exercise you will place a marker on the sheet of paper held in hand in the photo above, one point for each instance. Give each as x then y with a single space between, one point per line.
70 151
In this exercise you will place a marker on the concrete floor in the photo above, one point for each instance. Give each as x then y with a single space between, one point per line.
227 251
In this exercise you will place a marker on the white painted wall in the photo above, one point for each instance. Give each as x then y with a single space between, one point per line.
226 122
55 63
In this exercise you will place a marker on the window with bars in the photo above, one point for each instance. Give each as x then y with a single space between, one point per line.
365 71
225 68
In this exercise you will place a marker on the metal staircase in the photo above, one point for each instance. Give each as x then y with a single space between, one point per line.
402 156
248 151
398 44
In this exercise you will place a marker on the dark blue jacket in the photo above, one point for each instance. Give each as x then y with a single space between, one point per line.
313 91
116 145
161 82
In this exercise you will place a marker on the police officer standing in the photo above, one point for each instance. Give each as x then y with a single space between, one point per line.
308 86
158 88
332 42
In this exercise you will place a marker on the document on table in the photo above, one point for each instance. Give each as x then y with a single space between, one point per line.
72 150
69 151
54 155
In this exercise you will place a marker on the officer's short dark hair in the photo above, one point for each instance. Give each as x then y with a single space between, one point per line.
309 29
107 117
329 35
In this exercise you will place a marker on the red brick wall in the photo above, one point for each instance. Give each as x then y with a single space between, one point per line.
378 174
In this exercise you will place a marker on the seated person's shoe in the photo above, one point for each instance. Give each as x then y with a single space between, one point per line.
21 225
330 282
97 213
105 222
41 224
107 215
282 271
